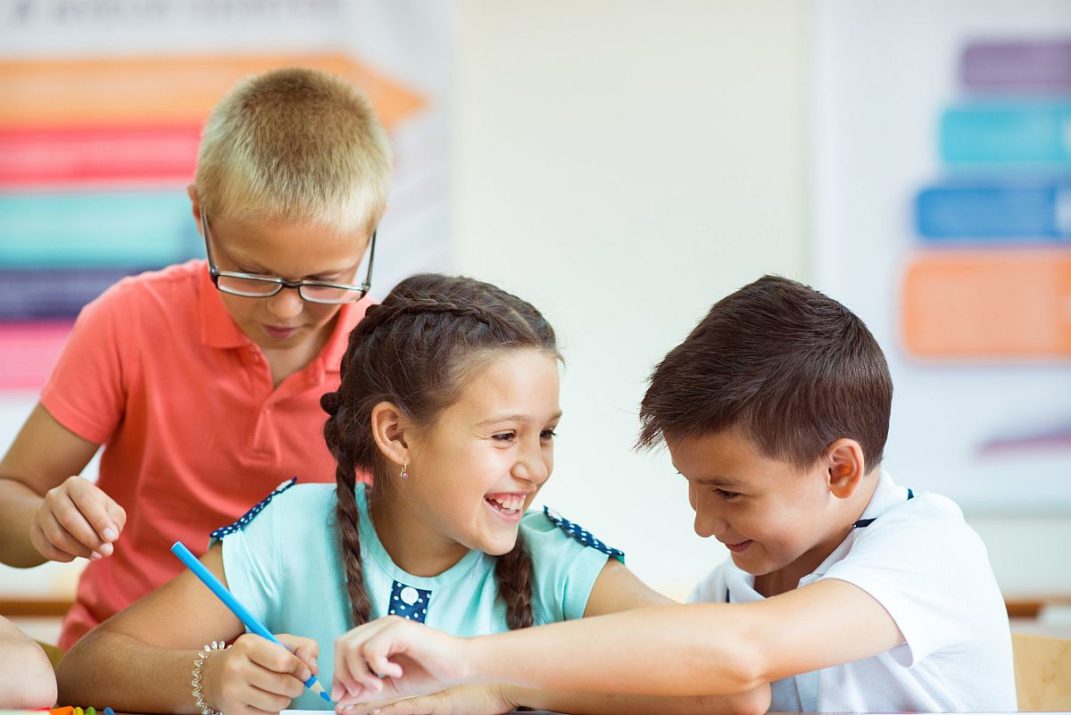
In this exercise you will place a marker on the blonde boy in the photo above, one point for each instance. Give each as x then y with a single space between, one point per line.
203 380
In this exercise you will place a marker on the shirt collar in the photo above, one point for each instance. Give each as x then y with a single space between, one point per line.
886 495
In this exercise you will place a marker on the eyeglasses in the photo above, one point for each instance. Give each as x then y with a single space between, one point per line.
250 285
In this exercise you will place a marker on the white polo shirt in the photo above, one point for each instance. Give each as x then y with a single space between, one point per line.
920 560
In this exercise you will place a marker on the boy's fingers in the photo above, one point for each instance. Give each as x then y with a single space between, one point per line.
59 539
382 666
353 673
45 547
67 514
97 508
117 515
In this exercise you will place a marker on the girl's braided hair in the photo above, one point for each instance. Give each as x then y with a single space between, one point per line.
415 350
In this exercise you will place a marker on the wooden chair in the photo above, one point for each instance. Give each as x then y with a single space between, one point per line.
1042 672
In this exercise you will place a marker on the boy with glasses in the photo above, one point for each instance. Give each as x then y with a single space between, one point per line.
203 382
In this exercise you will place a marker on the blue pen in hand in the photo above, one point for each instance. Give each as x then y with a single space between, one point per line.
180 550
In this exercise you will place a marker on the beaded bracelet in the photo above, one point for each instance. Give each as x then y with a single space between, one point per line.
198 665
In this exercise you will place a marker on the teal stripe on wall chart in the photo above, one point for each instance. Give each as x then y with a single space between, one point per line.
1029 132
114 229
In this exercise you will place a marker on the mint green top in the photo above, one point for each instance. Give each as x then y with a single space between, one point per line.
284 565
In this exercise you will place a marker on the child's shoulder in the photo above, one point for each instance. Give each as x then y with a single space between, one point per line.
148 293
927 511
547 530
290 505
927 532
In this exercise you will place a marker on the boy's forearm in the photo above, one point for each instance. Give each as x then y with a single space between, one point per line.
17 506
689 650
129 675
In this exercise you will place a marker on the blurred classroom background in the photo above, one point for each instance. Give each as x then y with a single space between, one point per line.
622 165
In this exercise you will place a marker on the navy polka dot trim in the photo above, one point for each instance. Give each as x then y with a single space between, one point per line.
248 516
579 533
409 602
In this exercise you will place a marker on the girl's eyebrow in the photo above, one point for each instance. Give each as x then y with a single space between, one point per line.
516 418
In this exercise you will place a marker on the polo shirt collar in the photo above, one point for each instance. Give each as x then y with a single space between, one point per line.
886 495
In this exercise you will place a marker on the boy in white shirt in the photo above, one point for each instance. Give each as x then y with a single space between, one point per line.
846 591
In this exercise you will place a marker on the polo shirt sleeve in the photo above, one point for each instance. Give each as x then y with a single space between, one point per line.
928 569
564 570
86 392
252 558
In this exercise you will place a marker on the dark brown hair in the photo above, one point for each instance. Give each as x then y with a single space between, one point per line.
793 368
416 350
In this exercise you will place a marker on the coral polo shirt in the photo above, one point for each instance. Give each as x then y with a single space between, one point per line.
194 433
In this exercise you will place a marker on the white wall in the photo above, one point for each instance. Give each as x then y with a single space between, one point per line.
622 165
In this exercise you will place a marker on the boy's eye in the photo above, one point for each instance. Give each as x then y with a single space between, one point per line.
727 496
504 436
547 434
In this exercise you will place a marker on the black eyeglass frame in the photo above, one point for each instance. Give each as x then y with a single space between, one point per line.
361 290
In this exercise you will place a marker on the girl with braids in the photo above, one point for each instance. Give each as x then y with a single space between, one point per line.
449 400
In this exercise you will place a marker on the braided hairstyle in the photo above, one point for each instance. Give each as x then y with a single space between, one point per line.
416 350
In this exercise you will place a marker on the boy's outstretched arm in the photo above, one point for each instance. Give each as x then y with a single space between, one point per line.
26 678
694 649
617 589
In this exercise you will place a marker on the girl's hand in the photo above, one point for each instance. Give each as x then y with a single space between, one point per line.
76 519
462 700
255 675
393 658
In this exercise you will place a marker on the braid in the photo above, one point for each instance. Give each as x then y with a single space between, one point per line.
349 536
513 574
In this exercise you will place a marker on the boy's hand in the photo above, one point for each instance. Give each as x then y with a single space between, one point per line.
393 658
76 519
462 700
255 675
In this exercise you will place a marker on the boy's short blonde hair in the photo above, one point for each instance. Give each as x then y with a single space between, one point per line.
294 145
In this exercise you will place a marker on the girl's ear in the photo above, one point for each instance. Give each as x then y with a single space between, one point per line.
389 426
846 467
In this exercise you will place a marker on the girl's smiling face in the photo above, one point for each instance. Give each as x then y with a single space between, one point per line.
476 469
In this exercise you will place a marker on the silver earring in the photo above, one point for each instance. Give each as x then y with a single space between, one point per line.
405 471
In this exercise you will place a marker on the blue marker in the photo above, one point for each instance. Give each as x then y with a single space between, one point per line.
180 550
